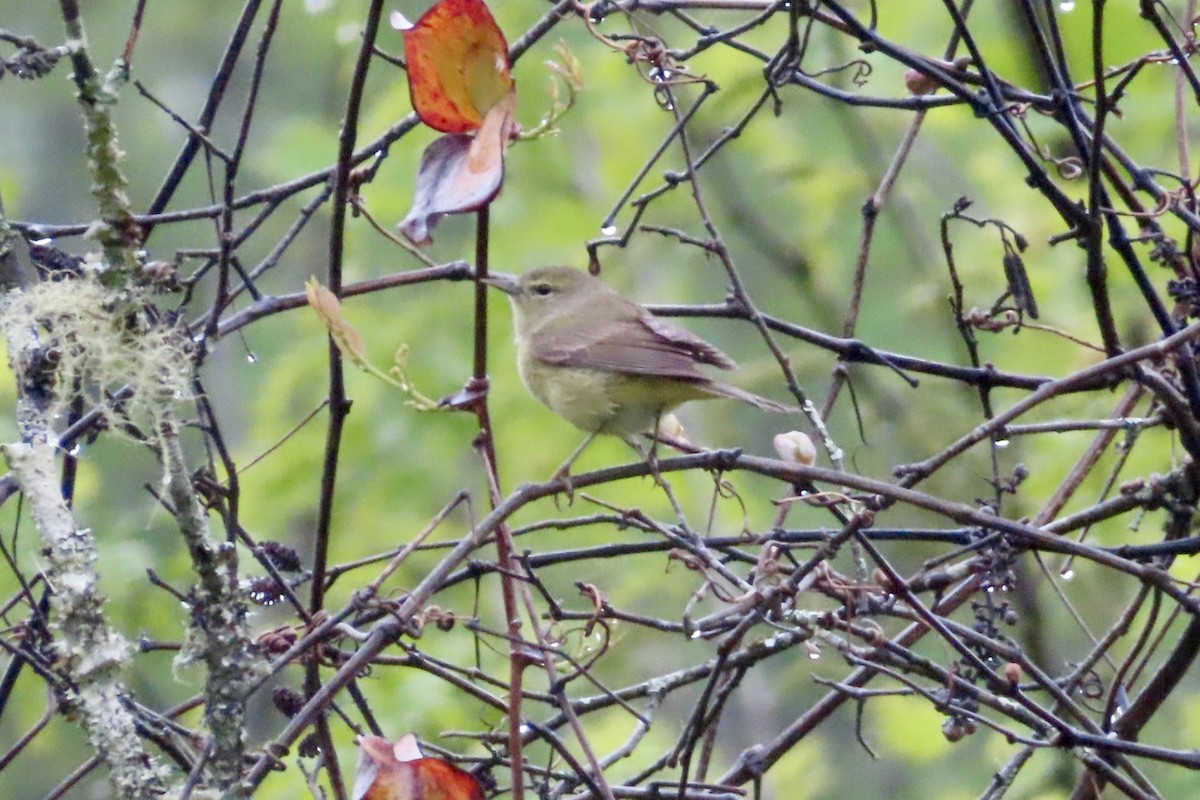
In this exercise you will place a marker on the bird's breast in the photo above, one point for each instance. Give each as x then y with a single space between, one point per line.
580 396
599 401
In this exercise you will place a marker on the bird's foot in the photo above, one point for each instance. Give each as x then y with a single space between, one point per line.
563 475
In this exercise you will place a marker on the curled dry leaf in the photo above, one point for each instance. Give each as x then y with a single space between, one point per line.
460 173
350 342
399 771
329 309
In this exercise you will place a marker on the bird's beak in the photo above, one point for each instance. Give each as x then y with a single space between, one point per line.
503 282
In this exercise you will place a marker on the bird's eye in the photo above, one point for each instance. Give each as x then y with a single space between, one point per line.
542 289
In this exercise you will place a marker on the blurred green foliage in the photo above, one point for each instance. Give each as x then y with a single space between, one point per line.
787 197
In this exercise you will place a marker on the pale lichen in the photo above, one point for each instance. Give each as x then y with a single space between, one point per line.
78 338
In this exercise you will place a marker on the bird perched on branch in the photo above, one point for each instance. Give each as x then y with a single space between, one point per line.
603 362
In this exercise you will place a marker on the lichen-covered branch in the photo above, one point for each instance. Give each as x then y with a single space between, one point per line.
90 653
219 635
10 274
117 232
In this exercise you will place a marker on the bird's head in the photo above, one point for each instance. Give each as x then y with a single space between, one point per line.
547 292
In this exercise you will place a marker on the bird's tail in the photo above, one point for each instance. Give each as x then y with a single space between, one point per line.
758 401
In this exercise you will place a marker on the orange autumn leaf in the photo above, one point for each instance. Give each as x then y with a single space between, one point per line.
398 771
458 65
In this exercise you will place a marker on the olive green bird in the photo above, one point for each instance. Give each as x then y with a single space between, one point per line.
603 362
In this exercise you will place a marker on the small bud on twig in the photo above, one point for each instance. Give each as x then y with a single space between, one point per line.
795 447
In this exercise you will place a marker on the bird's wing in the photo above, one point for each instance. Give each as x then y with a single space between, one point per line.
637 344
700 350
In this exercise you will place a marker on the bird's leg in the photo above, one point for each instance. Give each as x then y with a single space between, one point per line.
672 434
649 456
659 480
563 473
652 458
